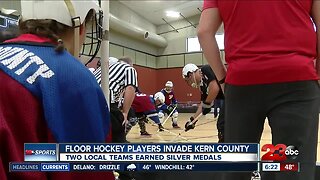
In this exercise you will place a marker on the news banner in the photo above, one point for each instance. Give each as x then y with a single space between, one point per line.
45 157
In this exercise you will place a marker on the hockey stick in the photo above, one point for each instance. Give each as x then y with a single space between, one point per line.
156 125
184 130
168 116
166 130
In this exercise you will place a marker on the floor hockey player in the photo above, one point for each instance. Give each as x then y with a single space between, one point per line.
143 107
46 94
170 104
205 80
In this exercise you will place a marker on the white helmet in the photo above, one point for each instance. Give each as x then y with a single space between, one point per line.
61 11
169 84
71 13
188 68
159 96
112 60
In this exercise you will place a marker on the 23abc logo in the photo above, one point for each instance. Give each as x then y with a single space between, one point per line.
280 152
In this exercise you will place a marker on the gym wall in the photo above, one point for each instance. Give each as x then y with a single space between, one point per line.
11 5
154 71
153 80
177 40
157 65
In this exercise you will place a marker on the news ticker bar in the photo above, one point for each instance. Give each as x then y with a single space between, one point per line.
196 152
157 157
294 167
78 167
159 148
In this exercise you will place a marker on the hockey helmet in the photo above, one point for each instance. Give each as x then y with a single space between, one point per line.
159 96
188 68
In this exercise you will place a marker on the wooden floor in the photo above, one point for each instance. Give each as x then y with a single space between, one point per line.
205 131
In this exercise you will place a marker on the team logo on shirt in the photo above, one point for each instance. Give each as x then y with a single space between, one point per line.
170 96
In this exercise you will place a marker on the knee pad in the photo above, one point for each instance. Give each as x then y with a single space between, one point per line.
175 114
175 117
143 118
142 126
161 115
133 121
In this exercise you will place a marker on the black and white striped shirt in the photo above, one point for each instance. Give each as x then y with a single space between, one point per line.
121 75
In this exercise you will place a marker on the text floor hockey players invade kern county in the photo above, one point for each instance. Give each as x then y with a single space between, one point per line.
157 156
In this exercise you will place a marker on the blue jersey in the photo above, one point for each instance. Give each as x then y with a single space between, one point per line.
73 104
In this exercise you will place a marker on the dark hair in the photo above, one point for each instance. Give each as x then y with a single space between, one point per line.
48 28
8 34
99 63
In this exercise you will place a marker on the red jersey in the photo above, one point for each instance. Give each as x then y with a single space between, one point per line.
169 97
143 103
267 41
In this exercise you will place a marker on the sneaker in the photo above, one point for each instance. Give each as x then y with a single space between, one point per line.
161 128
145 133
176 126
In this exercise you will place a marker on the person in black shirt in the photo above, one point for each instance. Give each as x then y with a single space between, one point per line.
210 89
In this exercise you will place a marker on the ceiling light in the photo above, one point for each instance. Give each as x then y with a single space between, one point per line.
173 14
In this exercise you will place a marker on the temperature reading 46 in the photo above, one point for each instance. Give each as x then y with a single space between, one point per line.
146 166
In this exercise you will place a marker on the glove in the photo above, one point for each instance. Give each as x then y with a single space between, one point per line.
206 108
190 125
171 107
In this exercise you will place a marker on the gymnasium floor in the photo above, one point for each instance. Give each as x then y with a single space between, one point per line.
205 131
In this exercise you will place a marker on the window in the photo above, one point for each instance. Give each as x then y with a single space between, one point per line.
220 41
193 44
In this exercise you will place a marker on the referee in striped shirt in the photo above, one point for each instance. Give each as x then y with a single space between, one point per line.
122 84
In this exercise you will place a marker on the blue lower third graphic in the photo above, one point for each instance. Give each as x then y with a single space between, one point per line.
21 167
55 167
40 152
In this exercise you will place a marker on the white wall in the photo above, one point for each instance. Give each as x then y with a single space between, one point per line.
13 4
124 13
177 41
126 41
